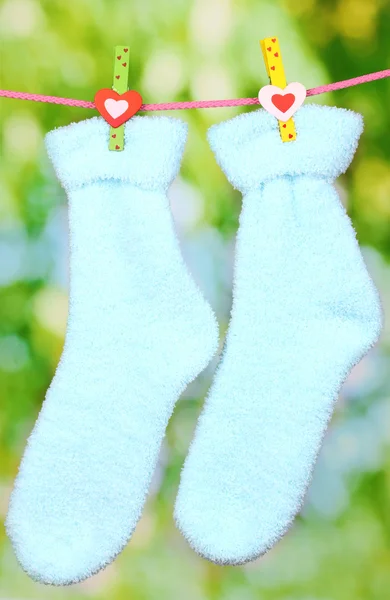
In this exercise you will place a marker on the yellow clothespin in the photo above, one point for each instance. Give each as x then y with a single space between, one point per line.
274 65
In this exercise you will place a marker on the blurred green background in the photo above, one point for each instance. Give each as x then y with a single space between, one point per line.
339 547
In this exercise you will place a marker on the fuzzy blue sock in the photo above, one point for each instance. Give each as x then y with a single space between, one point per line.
304 312
138 332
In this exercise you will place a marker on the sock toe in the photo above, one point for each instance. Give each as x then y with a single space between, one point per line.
51 558
232 536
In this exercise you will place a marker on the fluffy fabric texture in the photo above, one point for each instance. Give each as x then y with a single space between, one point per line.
304 312
138 332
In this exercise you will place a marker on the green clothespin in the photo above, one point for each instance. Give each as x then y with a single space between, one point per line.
120 85
119 104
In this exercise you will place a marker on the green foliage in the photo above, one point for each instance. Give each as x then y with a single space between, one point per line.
338 548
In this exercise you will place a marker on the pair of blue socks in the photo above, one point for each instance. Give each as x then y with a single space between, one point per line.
139 330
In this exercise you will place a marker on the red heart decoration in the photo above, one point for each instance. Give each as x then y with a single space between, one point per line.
119 57
132 98
274 40
269 49
125 50
283 103
276 54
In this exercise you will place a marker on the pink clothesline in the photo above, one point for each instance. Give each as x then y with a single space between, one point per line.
198 103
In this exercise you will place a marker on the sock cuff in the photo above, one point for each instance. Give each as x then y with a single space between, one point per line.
250 151
150 160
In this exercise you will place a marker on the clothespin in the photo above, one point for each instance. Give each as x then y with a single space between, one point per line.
119 104
120 84
274 65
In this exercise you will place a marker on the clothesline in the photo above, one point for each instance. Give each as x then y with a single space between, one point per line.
197 103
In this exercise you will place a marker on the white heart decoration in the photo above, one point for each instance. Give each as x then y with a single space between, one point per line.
282 104
116 108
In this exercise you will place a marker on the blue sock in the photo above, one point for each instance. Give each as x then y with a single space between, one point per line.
305 311
138 332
